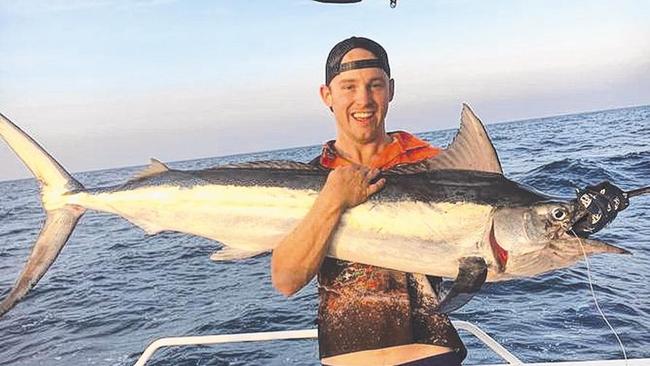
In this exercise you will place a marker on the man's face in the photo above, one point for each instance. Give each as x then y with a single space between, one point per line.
359 99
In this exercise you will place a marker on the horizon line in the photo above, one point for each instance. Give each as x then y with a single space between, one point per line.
309 146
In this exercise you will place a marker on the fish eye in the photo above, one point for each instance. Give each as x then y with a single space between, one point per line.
558 213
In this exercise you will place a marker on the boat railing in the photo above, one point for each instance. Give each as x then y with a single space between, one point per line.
313 333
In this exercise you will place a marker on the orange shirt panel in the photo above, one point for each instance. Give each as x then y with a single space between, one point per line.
404 149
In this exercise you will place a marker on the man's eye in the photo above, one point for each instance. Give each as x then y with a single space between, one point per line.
348 87
377 85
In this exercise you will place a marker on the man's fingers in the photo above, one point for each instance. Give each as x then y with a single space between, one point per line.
376 187
372 174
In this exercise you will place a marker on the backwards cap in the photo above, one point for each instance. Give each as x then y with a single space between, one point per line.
334 66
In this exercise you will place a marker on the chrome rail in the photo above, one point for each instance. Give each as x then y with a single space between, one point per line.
313 333
223 338
488 341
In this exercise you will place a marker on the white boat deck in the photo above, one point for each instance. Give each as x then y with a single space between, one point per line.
508 357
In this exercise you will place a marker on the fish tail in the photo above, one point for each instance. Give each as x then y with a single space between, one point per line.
56 183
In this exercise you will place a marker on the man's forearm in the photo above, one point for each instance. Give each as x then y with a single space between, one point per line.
298 257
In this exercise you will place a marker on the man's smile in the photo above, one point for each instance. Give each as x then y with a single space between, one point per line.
363 117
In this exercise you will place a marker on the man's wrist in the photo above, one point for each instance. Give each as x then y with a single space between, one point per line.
330 202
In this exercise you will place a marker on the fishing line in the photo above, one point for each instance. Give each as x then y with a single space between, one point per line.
593 294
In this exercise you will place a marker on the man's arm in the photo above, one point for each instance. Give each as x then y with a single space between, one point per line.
298 257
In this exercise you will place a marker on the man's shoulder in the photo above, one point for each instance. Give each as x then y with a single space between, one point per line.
328 157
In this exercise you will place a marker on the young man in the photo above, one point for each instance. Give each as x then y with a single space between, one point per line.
367 315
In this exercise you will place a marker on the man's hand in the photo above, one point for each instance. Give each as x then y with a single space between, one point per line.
299 255
351 185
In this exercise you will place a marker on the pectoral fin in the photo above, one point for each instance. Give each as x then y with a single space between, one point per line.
472 273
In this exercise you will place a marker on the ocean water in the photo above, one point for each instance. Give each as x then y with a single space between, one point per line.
114 289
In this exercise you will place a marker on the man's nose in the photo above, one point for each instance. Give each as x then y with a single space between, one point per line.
364 96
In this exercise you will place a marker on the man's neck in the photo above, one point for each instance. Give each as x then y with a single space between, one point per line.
361 154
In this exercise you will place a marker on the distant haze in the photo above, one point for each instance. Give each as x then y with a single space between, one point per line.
110 83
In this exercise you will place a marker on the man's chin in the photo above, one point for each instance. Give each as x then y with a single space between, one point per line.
367 138
363 122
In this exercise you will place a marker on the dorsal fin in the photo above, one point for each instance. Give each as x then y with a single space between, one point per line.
471 149
156 167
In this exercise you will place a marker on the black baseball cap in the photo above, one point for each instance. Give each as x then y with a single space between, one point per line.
334 67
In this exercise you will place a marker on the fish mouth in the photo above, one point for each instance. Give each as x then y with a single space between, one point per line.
572 244
588 246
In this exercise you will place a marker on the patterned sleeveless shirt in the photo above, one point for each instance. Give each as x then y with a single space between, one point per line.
364 307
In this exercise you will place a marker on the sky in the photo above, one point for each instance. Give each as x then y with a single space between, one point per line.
110 83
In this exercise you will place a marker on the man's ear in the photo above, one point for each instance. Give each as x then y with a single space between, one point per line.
391 89
326 95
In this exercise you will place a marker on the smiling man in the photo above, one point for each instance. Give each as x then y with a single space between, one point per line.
367 315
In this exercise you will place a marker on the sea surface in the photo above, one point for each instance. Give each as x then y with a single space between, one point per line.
113 289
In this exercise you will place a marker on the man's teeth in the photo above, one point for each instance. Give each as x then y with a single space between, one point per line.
362 115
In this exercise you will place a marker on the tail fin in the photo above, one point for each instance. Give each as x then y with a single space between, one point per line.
61 217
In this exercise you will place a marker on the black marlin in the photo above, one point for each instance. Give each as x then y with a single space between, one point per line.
454 216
